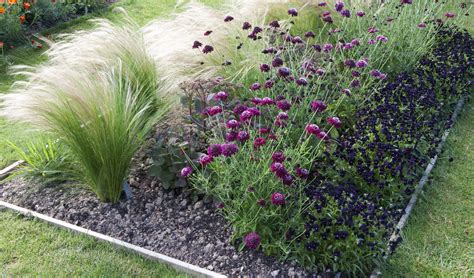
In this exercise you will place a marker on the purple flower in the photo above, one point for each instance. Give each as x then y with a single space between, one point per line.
323 135
328 19
257 101
350 63
232 124
283 71
270 50
205 159
405 2
347 92
277 62
220 206
320 71
372 30
207 33
239 108
355 83
355 73
229 149
322 4
302 81
293 12
261 202
197 44
269 84
246 115
186 171
309 34
318 106
334 121
255 86
421 25
254 111
246 25
312 129
207 49
242 136
375 73
231 136
252 240
381 38
296 40
257 30
228 18
346 13
274 24
283 105
276 166
317 47
258 142
302 173
264 67
267 101
282 116
221 96
287 179
278 199
361 64
339 6
449 14
355 42
370 41
214 110
360 13
278 157
214 150
328 47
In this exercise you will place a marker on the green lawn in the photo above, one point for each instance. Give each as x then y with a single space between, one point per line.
439 237
32 248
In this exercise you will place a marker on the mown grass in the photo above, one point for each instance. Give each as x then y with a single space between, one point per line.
437 242
32 248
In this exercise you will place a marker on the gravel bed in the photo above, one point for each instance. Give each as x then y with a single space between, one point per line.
166 222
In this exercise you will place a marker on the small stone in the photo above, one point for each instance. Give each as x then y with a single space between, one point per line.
198 205
208 248
159 200
275 273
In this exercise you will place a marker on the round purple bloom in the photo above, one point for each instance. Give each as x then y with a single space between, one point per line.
312 129
320 71
197 44
318 106
328 47
328 19
309 34
276 166
278 157
355 83
302 173
274 24
228 18
322 4
269 84
323 135
381 38
214 110
245 116
372 30
283 105
246 25
370 41
296 40
231 136
207 49
375 73
283 71
360 13
186 171
278 199
302 81
205 159
207 33
221 95
264 67
252 240
220 206
346 13
449 14
258 142
232 124
255 86
406 2
287 179
361 64
214 150
261 202
282 116
339 6
242 136
346 92
350 63
293 12
277 62
257 30
267 101
421 25
257 100
355 73
229 149
355 42
334 121
317 47
254 111
239 108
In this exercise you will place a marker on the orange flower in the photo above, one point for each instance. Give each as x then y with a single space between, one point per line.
27 6
2 10
11 2
22 19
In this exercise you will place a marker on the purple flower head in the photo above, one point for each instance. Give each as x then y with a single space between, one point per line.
375 73
255 86
207 33
355 73
283 105
282 116
257 30
421 25
257 101
214 110
370 41
406 2
381 38
274 24
229 149
197 44
287 179
264 130
318 106
214 150
361 64
449 14
284 72
326 13
232 124
258 142
322 4
245 116
320 71
296 40
205 159
349 63
287 38
323 135
302 81
328 47
360 13
372 30
186 171
355 42
221 96
231 136
239 108
302 173
346 13
277 62
334 121
312 129
220 206
261 202
278 199
246 25
328 19
242 136
339 6
254 111
355 83
317 47
309 34
347 92
269 84
228 18
293 12
264 67
252 240
278 157
270 50
267 101
276 166
207 49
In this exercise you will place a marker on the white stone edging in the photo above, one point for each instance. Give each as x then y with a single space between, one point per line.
419 188
177 264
